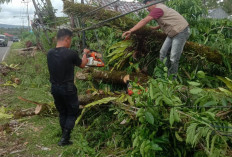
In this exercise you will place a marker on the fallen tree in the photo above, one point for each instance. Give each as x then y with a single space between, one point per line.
116 77
146 34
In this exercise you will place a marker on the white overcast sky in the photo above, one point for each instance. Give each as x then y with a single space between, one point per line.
14 13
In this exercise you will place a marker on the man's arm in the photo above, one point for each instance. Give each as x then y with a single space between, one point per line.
139 25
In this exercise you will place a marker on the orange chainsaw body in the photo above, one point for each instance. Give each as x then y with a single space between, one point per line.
94 59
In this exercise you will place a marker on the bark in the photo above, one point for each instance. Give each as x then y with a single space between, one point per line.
116 77
40 108
24 113
5 126
142 36
28 49
4 69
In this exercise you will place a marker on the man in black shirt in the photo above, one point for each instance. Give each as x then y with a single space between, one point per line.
61 61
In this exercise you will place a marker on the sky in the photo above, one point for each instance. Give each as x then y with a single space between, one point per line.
15 12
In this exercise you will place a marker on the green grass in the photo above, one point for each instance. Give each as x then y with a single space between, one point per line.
17 45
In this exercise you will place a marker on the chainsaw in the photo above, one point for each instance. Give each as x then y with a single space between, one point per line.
94 58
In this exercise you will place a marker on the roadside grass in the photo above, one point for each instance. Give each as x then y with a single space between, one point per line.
38 135
17 45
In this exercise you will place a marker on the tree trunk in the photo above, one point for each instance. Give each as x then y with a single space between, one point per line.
116 77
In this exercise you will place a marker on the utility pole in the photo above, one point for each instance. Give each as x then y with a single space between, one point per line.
28 18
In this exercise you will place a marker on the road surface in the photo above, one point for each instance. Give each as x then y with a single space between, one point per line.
4 51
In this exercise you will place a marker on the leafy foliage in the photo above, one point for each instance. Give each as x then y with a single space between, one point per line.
120 51
98 102
4 1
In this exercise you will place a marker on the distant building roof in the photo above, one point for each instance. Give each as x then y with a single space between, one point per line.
218 13
8 35
121 6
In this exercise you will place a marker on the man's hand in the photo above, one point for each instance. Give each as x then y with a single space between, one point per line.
84 58
126 34
86 51
155 28
139 25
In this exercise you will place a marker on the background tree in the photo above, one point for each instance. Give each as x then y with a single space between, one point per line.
226 5
211 4
4 1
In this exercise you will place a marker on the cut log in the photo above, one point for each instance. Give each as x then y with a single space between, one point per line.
144 35
5 69
24 113
5 126
27 49
116 77
39 107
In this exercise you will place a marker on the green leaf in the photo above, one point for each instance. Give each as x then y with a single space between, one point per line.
227 81
140 112
200 74
212 144
136 142
224 102
157 101
129 99
151 91
208 138
124 43
115 57
167 100
157 95
116 51
142 148
195 91
156 147
79 118
102 101
149 117
191 130
171 118
176 116
210 103
178 137
227 92
194 83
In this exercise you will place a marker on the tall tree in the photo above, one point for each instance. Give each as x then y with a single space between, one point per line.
4 1
211 4
227 6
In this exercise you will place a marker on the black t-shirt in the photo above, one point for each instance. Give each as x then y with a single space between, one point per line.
61 62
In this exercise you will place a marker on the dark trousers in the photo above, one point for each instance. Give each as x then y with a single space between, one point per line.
66 102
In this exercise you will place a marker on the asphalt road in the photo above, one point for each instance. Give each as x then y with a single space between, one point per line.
4 51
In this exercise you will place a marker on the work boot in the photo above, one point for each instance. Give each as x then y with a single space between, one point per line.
65 139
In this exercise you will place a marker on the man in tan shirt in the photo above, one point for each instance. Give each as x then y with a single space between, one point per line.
173 25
